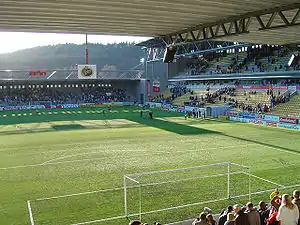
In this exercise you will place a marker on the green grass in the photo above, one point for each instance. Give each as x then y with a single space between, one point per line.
59 152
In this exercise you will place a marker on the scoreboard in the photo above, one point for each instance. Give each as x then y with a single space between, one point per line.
37 73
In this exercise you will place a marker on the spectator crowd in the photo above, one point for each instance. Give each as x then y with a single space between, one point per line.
260 58
31 96
282 210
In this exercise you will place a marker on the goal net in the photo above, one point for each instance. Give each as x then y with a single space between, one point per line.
180 194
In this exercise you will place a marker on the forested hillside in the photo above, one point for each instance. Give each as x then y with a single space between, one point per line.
122 55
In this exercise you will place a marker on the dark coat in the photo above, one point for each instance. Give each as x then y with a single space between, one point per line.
241 219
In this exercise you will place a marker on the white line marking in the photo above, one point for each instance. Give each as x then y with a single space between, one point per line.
94 159
281 150
266 180
83 193
134 186
154 211
30 213
101 220
181 206
266 191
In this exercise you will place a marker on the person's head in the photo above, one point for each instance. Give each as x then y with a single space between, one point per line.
287 202
229 209
296 194
243 209
236 208
202 216
210 218
250 205
276 191
262 205
135 222
230 217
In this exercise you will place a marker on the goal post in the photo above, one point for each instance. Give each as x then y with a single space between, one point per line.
156 194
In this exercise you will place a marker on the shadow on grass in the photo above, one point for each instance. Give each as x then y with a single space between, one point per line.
68 127
173 127
133 115
261 143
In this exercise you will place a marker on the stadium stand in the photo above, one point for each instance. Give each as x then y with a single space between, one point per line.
57 94
290 108
258 58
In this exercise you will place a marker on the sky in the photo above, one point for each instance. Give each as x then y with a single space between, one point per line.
14 41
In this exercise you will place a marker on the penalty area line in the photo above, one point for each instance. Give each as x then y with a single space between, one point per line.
30 212
266 180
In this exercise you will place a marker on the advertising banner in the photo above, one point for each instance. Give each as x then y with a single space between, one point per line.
173 108
292 88
237 119
271 124
287 120
234 113
256 121
261 87
270 118
87 71
289 126
249 115
69 106
190 108
180 109
156 86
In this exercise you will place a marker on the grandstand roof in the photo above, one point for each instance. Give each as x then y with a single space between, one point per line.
147 17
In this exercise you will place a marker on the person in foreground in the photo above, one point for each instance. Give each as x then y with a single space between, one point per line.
136 222
201 221
253 215
241 218
230 219
296 201
288 212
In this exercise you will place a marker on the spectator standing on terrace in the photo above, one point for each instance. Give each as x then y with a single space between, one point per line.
253 215
230 219
296 201
211 220
274 193
135 223
224 217
241 218
288 212
201 221
263 213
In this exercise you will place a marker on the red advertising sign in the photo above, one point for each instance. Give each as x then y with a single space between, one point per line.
271 124
156 86
37 73
287 120
148 89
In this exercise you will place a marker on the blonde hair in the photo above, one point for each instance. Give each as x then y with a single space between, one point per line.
287 202
230 217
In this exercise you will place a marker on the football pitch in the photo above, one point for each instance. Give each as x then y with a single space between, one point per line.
66 166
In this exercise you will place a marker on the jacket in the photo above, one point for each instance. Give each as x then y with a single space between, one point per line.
297 203
253 217
241 219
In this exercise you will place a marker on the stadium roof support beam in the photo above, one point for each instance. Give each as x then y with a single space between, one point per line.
193 48
236 25
284 20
